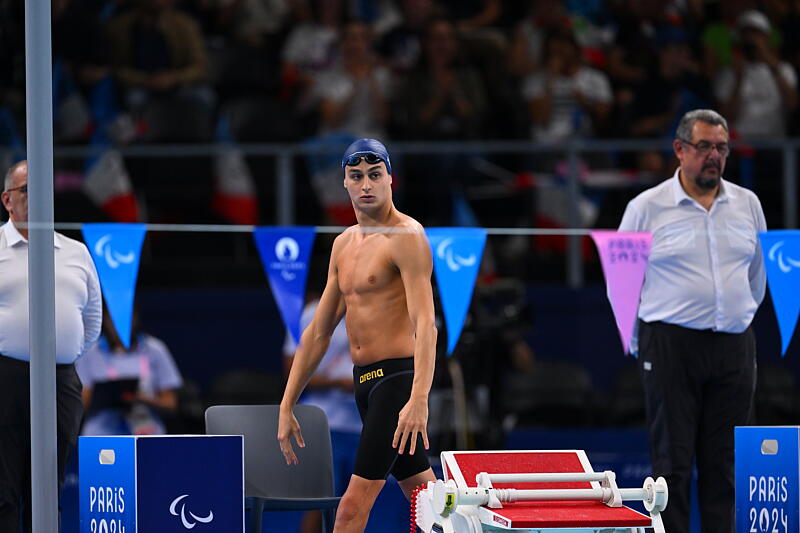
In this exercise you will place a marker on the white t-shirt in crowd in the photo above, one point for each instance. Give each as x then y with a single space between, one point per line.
761 110
567 117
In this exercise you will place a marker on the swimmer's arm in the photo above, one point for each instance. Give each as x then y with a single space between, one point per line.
317 336
413 259
313 343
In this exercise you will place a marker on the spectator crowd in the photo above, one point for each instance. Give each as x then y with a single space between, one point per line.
227 71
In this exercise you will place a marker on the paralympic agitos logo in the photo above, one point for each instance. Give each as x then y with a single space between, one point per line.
113 259
192 520
454 261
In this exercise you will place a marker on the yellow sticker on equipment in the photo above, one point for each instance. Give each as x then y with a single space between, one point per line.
449 501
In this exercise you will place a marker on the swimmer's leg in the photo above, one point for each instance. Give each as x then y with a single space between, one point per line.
357 502
410 483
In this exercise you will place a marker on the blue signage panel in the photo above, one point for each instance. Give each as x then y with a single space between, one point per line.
767 480
190 483
107 484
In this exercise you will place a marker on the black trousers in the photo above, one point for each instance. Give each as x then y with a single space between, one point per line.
15 435
698 385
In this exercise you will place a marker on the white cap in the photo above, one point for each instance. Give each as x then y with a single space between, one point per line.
755 19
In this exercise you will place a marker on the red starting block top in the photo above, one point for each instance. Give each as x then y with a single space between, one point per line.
462 467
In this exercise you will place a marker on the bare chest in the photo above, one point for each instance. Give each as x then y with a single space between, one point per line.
366 266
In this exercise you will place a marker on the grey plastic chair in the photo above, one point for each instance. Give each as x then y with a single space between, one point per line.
270 484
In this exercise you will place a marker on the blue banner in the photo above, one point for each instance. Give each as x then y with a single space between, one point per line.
116 249
285 254
782 260
457 254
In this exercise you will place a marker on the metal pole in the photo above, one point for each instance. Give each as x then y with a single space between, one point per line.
790 186
41 270
284 198
543 477
574 261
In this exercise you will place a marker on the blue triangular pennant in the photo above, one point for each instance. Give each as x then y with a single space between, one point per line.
457 254
782 261
116 249
285 254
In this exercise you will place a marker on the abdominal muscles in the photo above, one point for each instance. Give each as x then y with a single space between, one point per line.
378 327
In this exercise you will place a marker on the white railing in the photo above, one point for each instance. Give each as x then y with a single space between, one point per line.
284 155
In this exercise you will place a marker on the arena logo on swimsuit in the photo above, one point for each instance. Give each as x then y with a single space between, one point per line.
371 375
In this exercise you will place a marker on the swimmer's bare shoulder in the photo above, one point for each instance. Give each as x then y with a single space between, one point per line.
410 251
410 223
410 233
341 241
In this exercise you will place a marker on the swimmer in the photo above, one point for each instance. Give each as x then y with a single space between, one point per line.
379 279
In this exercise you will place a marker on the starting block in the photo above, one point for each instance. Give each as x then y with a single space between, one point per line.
531 491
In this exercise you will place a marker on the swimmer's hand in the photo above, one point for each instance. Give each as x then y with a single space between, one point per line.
411 423
289 427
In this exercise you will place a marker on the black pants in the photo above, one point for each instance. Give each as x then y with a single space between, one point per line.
15 435
698 385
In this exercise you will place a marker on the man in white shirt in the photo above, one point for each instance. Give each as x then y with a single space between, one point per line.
705 280
565 98
759 91
78 320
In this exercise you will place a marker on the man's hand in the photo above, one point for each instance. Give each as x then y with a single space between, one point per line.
288 427
764 53
412 421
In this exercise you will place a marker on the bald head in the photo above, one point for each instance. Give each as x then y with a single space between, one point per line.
15 194
19 166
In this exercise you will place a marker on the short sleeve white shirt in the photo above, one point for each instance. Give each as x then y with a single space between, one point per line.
78 301
706 269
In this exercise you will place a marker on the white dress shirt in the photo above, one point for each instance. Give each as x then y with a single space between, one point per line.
79 308
705 269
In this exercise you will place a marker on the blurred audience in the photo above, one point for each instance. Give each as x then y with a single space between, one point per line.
673 85
634 47
311 44
84 98
443 97
401 47
527 48
158 52
326 70
468 15
718 34
258 23
12 52
566 97
758 92
353 94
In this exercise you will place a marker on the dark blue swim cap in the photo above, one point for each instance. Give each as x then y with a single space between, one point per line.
363 147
